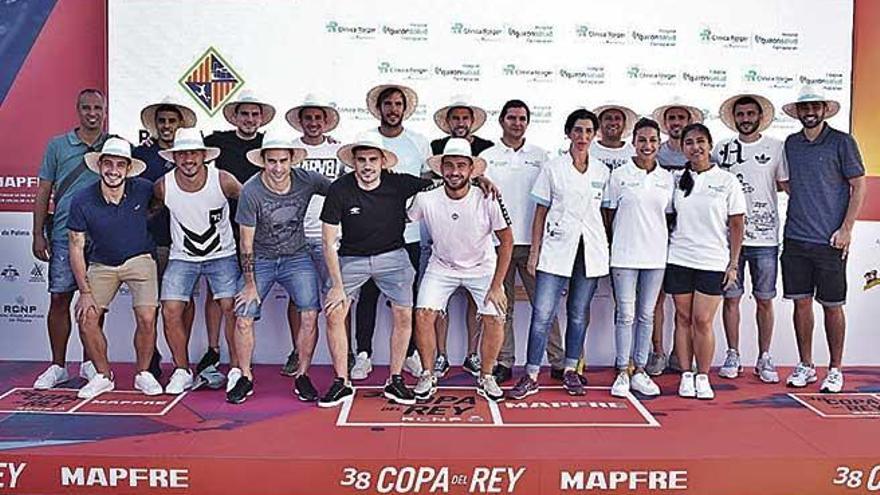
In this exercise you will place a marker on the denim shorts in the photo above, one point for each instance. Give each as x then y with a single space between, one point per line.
181 276
60 274
316 254
763 264
392 273
295 273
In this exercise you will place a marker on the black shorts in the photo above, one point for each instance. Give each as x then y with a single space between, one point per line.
813 270
683 280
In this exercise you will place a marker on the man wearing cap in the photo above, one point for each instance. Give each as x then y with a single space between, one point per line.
113 213
368 208
826 187
273 249
758 161
462 221
615 123
315 119
513 165
392 104
62 173
201 244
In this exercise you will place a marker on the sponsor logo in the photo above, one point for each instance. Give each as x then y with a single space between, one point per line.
37 274
18 181
479 32
623 480
10 472
353 31
65 401
652 76
211 81
403 71
20 311
10 273
132 477
463 72
358 112
778 41
725 39
600 35
711 78
841 405
762 158
15 233
447 407
830 81
531 34
662 37
591 75
553 407
542 114
409 32
872 279
768 79
531 74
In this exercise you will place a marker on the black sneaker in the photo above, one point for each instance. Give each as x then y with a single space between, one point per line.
211 358
472 364
397 391
338 393
502 373
243 388
292 364
304 389
155 367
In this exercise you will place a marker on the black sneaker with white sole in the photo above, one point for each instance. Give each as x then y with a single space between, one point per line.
339 392
243 389
304 390
210 358
397 391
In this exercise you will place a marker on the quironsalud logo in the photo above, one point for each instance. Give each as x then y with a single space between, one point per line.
461 72
829 81
408 32
211 81
710 78
531 34
788 41
660 37
588 75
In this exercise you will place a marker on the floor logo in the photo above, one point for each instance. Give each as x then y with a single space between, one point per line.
211 81
65 401
841 405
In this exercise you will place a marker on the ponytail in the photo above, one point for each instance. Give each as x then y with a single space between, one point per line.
686 183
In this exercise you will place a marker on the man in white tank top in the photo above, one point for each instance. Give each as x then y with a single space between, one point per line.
202 243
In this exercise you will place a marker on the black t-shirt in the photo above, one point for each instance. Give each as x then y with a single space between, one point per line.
372 221
233 152
478 145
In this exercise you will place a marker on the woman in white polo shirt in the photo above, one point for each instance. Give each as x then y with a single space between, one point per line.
709 205
639 196
569 250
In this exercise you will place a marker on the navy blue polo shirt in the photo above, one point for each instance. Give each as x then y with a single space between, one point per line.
117 232
819 173
160 223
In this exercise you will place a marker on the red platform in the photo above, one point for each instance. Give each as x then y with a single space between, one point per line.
753 438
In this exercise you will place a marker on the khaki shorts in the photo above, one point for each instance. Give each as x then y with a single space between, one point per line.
138 273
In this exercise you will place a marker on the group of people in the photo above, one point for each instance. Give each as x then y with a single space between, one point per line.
393 214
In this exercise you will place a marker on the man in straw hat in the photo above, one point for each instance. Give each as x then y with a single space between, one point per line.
461 221
759 163
826 187
392 104
315 119
459 119
273 249
615 123
62 173
368 207
201 244
113 214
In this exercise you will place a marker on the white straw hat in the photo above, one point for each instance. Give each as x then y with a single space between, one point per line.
366 140
189 139
277 139
629 115
248 96
115 146
677 102
810 94
412 99
331 115
440 116
457 147
148 114
767 111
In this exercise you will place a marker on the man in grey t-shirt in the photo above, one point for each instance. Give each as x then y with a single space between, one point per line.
273 249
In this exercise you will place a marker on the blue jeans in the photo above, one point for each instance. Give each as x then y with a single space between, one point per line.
61 277
548 292
180 277
295 273
635 292
763 267
316 254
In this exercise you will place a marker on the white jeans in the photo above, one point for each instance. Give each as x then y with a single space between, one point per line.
436 288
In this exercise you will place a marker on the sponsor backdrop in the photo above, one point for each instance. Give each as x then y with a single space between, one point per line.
553 58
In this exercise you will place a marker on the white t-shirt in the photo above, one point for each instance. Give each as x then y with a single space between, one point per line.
514 172
612 157
700 238
412 150
462 229
574 200
321 159
641 200
758 166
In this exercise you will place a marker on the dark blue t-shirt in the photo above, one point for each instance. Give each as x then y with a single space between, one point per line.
118 232
160 223
819 173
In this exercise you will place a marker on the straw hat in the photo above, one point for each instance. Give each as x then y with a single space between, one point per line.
810 94
457 147
311 101
629 114
366 140
115 146
459 102
677 102
277 139
189 139
148 114
767 111
412 99
247 96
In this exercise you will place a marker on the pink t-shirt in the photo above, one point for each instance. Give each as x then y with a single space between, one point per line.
462 230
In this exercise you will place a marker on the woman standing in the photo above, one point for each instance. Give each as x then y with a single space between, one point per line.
639 196
703 251
569 250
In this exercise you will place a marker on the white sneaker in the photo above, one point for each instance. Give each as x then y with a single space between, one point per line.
232 378
96 386
426 387
87 370
53 375
802 376
413 365
181 379
833 383
362 368
765 370
147 383
621 385
703 387
642 383
732 366
686 387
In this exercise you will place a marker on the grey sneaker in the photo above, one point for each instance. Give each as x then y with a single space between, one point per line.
732 366
426 387
488 388
657 362
803 375
573 383
673 364
413 365
291 365
765 370
441 366
523 388
472 364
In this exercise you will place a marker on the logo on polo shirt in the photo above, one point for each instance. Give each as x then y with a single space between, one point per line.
211 81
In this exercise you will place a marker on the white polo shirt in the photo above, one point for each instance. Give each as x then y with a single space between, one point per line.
612 157
641 200
758 166
514 172
574 200
700 238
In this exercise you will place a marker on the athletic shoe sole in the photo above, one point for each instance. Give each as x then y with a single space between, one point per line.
335 402
106 389
793 385
486 396
441 374
150 394
304 399
398 400
729 375
528 393
576 392
428 395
